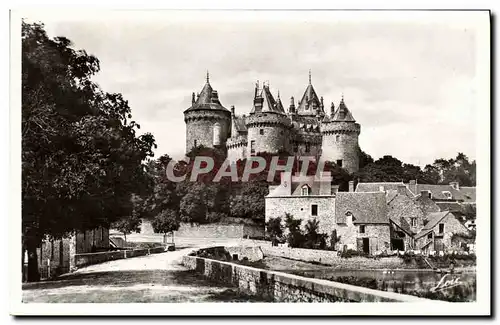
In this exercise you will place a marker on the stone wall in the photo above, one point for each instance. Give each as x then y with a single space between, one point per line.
283 287
273 140
219 231
81 260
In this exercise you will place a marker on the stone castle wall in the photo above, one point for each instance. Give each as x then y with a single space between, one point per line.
340 142
276 133
200 127
236 148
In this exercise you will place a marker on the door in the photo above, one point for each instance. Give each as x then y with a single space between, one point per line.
366 245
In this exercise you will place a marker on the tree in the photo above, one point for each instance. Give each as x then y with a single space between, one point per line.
81 157
166 221
274 229
128 225
295 237
314 239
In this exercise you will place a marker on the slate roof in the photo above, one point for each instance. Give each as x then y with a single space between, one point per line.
449 206
465 194
427 205
388 187
239 124
207 99
342 113
365 207
269 103
310 104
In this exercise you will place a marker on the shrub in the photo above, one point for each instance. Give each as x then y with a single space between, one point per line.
351 253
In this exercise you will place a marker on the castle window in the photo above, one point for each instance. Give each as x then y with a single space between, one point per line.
337 138
314 210
305 190
252 147
362 229
429 236
441 228
261 131
308 147
339 162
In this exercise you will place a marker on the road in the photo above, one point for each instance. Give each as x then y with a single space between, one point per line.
154 278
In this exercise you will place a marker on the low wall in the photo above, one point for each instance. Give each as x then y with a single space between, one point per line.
283 287
86 259
219 231
331 258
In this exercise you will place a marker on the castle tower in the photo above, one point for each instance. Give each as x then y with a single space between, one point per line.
340 138
268 125
208 123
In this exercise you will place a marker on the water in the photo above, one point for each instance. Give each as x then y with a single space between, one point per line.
419 283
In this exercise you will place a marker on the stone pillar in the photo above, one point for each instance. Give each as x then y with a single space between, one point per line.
72 252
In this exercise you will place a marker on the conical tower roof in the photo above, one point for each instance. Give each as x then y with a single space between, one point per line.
310 104
342 113
207 99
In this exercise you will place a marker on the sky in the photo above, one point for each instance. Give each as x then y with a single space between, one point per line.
411 83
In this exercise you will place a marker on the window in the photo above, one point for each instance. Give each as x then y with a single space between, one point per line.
195 143
337 138
413 222
441 228
314 210
308 147
430 195
261 131
305 190
339 162
252 147
362 229
447 194
429 236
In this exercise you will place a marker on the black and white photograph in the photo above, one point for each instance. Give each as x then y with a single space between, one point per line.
336 162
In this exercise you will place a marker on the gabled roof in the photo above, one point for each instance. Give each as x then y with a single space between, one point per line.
342 114
365 207
207 99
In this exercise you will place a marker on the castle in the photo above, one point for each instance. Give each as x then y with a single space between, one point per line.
304 130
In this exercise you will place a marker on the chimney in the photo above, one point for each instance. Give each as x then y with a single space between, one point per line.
381 188
413 186
232 110
402 189
351 186
332 110
286 183
425 193
291 109
455 185
192 99
335 189
325 185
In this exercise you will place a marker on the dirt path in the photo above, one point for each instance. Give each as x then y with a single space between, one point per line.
154 278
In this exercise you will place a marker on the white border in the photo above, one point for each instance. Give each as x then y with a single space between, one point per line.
481 307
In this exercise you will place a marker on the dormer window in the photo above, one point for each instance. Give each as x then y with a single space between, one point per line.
448 195
305 190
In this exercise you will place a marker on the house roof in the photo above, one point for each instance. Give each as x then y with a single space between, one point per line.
387 187
427 205
449 206
342 113
365 207
465 194
207 99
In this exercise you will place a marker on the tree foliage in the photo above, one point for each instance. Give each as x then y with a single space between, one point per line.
274 229
81 156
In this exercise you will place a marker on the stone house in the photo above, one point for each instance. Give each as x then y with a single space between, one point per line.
359 219
413 217
439 232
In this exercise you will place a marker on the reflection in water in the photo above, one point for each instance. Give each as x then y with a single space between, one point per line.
417 283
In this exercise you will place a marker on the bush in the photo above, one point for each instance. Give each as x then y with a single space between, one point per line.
351 253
